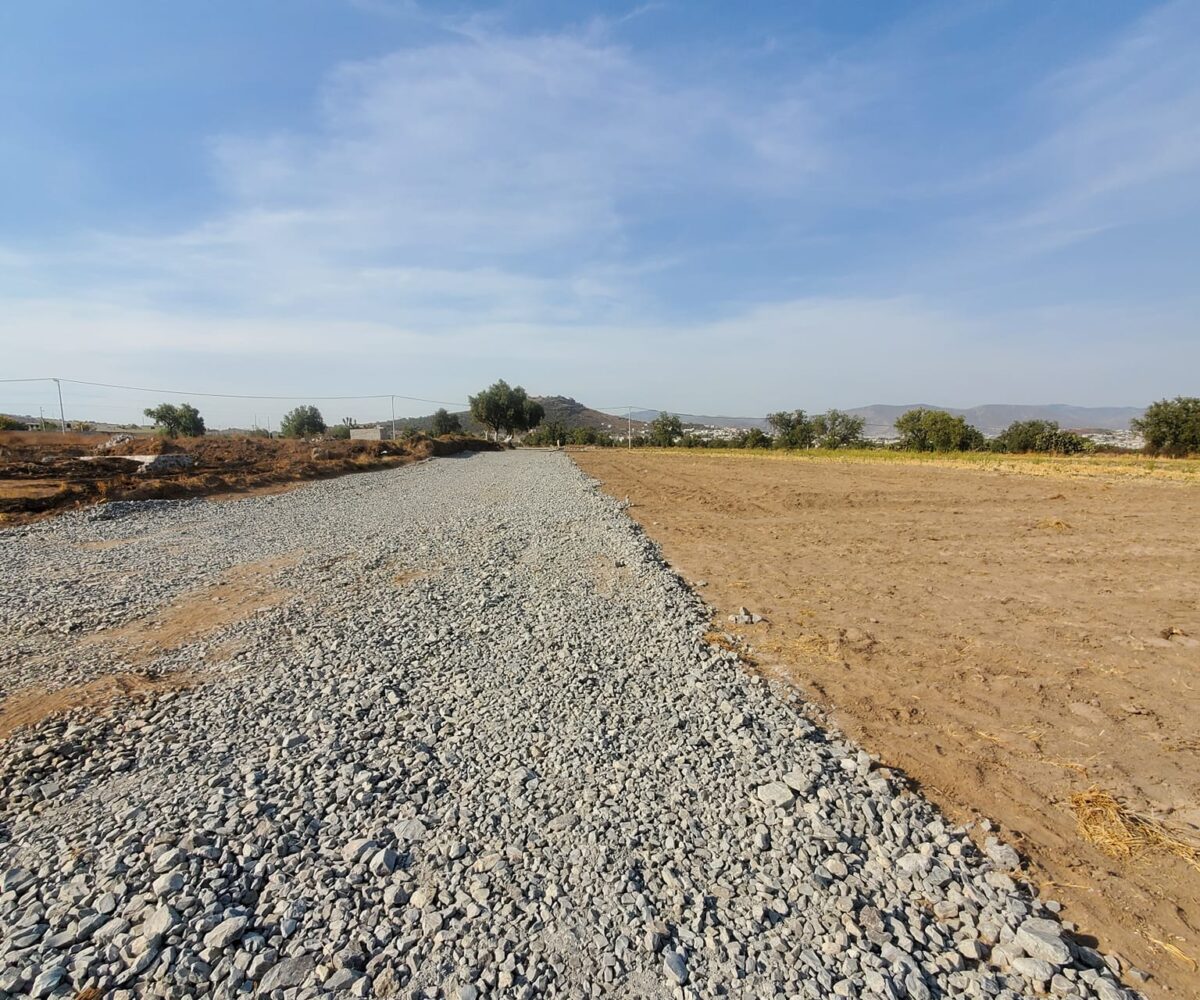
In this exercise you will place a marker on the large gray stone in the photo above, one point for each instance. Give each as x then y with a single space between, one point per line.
294 971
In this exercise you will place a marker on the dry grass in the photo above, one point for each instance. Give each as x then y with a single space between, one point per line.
1054 466
1054 524
714 638
718 639
1068 765
1173 951
1121 833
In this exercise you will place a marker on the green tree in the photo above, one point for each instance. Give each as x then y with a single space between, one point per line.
183 420
11 424
589 436
752 438
937 430
836 429
303 421
444 422
665 430
1025 435
340 433
1039 436
1171 426
1068 443
550 434
792 429
502 407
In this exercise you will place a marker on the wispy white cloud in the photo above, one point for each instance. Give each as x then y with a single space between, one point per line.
501 166
1121 143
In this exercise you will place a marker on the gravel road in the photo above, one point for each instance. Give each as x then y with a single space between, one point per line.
464 738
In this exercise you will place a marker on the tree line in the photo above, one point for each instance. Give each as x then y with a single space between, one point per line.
500 408
1170 427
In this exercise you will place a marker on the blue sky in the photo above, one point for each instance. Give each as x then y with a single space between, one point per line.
690 206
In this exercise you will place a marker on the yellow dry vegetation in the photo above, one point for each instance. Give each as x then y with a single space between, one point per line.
1055 466
1104 820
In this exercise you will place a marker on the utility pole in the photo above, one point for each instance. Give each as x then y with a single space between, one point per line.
41 419
393 433
629 426
61 412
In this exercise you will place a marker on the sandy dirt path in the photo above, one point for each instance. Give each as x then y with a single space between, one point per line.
1008 640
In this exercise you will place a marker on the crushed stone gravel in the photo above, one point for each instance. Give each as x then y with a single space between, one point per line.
481 749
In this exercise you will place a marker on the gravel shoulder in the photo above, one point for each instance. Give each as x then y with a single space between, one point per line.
453 730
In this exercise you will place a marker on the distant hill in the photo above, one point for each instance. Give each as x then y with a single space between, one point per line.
700 420
562 409
571 414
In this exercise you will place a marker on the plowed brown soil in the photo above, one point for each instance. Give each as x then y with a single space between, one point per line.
241 592
33 705
1007 640
43 473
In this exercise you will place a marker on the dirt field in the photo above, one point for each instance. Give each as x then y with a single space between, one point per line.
1007 638
42 473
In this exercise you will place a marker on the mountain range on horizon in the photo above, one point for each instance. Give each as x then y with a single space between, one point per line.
991 418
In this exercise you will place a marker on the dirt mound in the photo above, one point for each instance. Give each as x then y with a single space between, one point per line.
42 473
139 444
31 706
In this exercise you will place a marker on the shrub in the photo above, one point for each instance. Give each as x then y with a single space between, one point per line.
1024 435
665 430
303 421
1171 426
1039 436
833 429
937 430
340 433
590 436
792 430
836 429
753 438
9 424
444 422
183 420
547 435
1069 443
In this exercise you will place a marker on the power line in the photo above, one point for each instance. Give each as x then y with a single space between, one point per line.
231 395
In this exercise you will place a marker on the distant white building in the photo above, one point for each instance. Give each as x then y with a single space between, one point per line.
366 434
